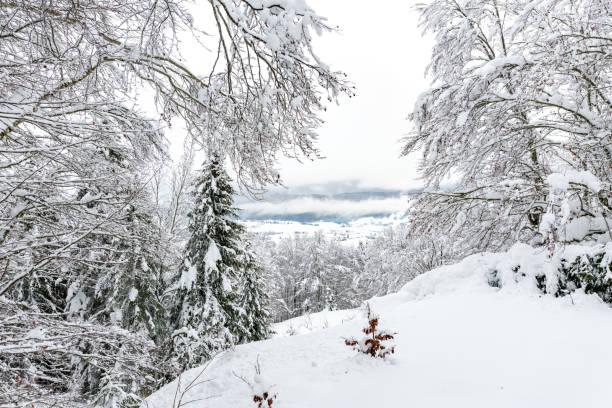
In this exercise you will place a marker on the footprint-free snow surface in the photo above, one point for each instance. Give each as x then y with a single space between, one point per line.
460 343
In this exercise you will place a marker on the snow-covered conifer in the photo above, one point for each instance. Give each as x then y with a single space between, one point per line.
253 301
217 302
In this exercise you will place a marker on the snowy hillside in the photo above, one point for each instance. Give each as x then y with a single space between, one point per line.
461 343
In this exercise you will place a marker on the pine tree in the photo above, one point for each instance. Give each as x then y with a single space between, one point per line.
119 288
254 301
213 310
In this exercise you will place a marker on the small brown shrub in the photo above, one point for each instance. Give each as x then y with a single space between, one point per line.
373 344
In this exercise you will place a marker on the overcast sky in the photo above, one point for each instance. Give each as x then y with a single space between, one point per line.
381 49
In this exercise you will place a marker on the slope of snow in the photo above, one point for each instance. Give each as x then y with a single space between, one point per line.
460 343
315 321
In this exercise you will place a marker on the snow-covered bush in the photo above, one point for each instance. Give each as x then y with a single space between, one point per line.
591 272
261 388
376 342
574 268
518 269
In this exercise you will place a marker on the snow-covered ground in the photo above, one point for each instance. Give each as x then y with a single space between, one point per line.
460 343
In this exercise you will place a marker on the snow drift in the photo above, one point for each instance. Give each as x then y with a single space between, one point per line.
479 333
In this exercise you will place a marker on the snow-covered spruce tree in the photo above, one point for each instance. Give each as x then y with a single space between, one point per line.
253 300
219 301
521 116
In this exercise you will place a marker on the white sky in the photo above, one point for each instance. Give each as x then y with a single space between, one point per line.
381 49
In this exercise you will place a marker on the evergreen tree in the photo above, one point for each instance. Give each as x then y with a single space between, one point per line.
219 299
119 287
254 301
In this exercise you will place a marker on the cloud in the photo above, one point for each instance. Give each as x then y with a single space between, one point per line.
326 207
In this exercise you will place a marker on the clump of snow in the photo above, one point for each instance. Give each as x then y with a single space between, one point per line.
17 209
462 118
578 228
89 197
116 316
226 283
495 65
273 42
189 275
77 299
133 294
562 182
212 255
548 220
36 333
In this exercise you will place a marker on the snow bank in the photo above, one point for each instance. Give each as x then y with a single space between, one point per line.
513 272
314 322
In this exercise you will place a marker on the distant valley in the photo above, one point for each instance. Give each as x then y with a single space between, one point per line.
348 217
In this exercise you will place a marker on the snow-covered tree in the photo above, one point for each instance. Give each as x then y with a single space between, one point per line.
312 273
103 282
171 208
396 256
77 145
253 300
122 289
518 122
218 298
306 274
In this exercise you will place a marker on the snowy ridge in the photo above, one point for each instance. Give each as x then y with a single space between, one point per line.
461 342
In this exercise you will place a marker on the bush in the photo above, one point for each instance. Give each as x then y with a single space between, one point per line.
593 273
590 272
372 344
262 390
